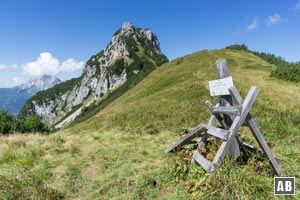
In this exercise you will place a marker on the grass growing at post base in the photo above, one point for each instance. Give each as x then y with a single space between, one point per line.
118 153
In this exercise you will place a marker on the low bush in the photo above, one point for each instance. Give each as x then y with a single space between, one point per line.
9 124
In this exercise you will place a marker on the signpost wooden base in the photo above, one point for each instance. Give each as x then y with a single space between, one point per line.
231 117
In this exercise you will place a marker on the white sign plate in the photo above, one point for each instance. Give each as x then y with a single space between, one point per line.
220 86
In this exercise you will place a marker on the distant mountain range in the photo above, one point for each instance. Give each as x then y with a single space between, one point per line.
12 99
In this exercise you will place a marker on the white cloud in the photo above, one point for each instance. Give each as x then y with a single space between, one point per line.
2 66
14 66
274 19
47 64
269 21
253 25
297 6
17 81
71 65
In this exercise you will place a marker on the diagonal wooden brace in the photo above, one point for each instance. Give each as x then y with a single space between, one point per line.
193 133
234 147
236 124
254 127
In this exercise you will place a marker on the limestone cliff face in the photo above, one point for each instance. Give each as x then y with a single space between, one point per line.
130 50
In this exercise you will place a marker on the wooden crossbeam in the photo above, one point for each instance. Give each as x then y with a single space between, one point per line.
217 116
254 127
234 148
217 132
228 110
193 133
205 164
231 119
238 121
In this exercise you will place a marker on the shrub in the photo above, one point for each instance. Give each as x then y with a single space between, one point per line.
9 124
6 121
239 47
33 124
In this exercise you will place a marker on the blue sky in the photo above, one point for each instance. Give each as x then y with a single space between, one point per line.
58 36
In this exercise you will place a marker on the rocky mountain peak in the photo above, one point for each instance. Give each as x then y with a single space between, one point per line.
131 51
125 43
141 36
127 28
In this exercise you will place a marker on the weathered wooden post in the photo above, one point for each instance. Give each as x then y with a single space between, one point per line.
231 117
226 100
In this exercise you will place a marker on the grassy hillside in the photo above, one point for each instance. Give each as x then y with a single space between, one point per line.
284 70
118 153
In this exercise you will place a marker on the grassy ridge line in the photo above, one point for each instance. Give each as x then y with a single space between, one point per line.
114 154
284 70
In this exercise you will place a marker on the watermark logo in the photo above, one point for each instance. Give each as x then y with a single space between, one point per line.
284 185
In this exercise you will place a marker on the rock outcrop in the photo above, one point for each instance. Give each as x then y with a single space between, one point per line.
130 51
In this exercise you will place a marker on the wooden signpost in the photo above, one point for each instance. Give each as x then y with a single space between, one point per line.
231 117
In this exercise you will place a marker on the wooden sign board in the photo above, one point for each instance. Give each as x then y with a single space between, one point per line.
238 114
220 86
